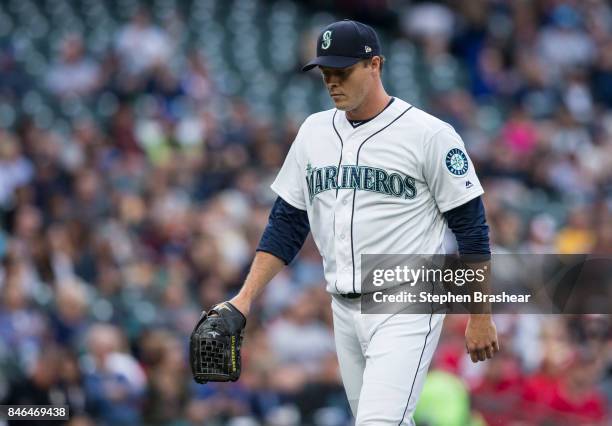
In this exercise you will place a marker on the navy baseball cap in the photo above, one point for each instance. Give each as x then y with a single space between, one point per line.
344 43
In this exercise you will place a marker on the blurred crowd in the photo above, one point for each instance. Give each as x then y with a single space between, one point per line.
117 228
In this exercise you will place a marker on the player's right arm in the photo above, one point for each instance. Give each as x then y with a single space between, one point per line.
265 267
285 233
281 241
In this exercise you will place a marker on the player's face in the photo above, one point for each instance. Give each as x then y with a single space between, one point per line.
349 86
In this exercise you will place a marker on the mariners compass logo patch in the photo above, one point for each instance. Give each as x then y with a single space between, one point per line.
456 162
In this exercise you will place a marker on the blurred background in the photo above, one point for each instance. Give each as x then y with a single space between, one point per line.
137 144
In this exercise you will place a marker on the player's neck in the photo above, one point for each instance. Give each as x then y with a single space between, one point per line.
373 105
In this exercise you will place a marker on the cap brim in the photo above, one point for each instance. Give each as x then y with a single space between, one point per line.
331 62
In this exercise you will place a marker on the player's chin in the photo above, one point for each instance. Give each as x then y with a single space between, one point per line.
341 103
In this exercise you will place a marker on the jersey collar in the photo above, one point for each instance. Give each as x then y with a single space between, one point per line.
357 123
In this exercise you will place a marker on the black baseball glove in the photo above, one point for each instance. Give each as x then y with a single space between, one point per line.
214 347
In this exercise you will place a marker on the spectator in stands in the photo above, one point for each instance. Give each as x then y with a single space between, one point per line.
167 393
16 170
69 322
564 43
41 387
73 74
315 343
114 381
142 45
71 384
22 327
576 400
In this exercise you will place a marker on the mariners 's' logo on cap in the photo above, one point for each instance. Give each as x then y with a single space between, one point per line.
326 40
456 162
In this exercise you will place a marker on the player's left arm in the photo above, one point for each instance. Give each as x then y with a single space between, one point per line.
468 223
452 180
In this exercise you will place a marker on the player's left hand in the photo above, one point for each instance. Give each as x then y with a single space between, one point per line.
481 337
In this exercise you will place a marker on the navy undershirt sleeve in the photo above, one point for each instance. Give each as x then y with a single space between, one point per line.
286 231
469 224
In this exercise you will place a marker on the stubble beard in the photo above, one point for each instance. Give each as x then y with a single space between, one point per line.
342 106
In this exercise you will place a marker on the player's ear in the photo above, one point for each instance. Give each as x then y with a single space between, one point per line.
375 63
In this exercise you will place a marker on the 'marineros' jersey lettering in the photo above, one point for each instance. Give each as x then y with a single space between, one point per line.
363 178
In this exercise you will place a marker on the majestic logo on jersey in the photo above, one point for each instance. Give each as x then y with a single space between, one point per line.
326 40
363 178
456 162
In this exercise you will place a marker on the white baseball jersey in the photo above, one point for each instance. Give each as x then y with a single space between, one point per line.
378 188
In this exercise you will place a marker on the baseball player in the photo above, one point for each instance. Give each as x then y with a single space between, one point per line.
372 175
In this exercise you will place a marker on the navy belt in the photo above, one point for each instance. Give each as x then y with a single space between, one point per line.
350 295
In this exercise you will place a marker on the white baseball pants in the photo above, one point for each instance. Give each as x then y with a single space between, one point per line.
383 360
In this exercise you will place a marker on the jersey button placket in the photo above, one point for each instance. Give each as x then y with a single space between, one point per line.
343 222
342 241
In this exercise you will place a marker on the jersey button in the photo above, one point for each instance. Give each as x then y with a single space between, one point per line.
341 236
344 202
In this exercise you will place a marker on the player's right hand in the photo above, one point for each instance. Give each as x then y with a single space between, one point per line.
244 306
214 345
